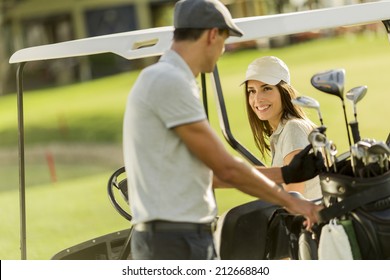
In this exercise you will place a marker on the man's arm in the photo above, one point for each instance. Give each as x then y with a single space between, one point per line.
202 141
205 144
274 173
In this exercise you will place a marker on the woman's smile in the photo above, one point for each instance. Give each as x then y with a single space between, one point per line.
263 108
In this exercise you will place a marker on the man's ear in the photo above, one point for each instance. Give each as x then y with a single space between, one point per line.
212 34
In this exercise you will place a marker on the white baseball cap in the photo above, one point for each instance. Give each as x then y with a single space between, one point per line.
268 69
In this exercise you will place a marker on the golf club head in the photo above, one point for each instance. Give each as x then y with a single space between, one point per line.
331 147
318 142
356 94
308 102
317 139
365 143
331 82
378 154
331 150
379 148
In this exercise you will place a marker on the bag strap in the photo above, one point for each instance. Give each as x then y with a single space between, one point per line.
354 201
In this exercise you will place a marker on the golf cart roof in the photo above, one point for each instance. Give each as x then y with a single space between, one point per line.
154 41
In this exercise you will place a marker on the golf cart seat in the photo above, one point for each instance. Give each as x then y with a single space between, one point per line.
112 246
259 230
251 231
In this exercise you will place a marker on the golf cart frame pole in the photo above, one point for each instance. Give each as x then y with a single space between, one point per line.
224 121
386 23
223 116
204 94
22 177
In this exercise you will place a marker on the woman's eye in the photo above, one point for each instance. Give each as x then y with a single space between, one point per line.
267 88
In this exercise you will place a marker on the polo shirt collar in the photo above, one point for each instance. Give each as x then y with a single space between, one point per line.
279 129
172 57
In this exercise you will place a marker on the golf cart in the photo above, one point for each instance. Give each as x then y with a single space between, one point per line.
237 223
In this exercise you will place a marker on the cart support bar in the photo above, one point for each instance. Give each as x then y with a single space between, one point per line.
22 182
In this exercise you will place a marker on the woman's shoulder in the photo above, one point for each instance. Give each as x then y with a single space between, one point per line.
296 126
296 123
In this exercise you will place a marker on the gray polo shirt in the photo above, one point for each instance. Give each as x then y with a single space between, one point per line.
166 181
292 135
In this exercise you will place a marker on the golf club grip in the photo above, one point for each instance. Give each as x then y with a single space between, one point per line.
355 131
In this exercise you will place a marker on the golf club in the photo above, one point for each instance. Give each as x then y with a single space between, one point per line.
381 153
355 95
332 82
356 159
332 151
363 147
308 102
318 142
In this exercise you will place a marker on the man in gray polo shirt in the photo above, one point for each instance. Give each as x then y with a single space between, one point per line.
172 154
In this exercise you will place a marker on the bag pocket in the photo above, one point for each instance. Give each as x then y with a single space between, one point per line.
372 231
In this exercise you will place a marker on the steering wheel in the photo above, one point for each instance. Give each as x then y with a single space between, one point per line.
119 181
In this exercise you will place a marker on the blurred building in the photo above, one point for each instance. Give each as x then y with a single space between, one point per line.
27 23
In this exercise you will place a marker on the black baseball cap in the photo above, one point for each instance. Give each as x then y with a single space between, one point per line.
204 14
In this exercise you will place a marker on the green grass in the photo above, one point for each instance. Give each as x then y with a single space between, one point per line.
59 215
76 208
86 112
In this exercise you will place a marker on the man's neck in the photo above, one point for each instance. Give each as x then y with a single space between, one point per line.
189 52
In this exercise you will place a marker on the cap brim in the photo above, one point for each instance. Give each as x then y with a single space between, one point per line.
269 80
236 32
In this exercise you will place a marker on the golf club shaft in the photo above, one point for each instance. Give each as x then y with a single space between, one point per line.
346 123
320 117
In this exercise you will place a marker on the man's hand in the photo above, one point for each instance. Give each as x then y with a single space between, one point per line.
304 166
307 209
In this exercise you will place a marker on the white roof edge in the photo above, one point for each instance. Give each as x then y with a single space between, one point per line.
291 23
154 41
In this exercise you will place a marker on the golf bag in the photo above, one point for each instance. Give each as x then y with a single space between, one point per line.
259 230
365 203
356 184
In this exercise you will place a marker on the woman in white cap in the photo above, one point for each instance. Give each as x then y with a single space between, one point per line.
278 126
